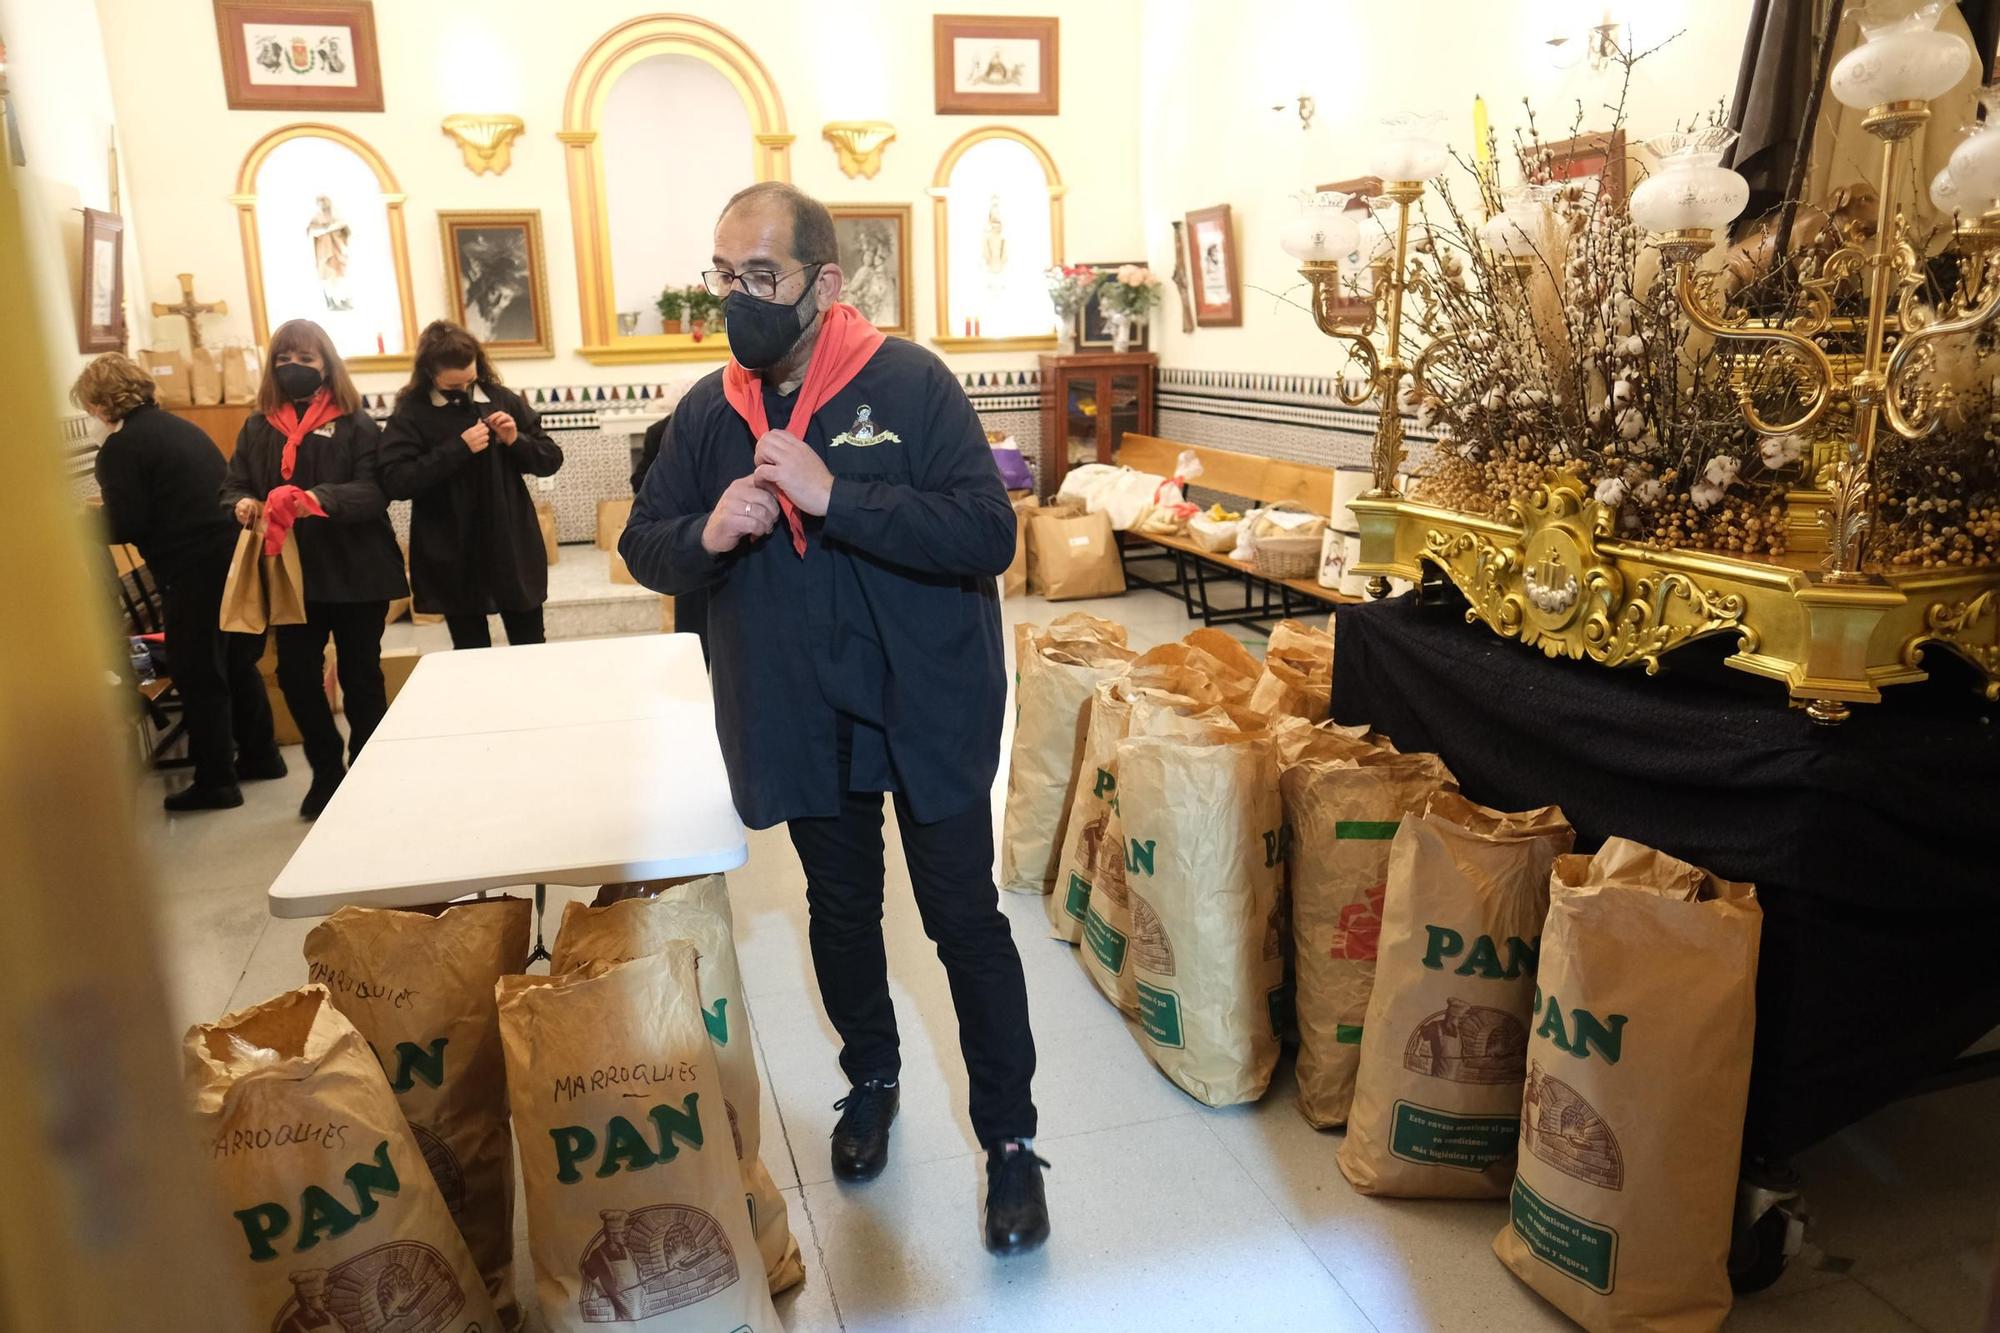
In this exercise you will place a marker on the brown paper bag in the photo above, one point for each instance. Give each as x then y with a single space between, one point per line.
1055 672
545 519
1201 822
243 590
635 1203
204 377
1298 673
1437 1099
173 379
241 371
1015 581
1037 585
612 516
698 911
1342 813
284 582
331 1214
1638 1073
1076 557
419 987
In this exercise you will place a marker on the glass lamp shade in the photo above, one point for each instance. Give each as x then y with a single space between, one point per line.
1903 58
1691 190
1322 233
1946 197
1512 232
1975 164
1409 149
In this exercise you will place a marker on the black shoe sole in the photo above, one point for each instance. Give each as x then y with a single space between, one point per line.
854 1177
1023 1246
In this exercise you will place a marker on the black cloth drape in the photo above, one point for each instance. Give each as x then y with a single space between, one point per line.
1871 844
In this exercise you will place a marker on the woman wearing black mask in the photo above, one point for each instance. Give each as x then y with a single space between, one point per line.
309 458
461 447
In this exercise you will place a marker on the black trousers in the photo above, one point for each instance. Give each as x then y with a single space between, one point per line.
356 630
475 632
222 695
951 873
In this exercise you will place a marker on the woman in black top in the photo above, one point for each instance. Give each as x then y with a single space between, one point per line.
158 476
311 434
460 447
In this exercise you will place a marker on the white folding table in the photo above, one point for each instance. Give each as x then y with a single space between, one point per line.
584 762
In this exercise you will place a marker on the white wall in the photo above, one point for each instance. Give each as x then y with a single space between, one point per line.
1208 135
63 104
831 59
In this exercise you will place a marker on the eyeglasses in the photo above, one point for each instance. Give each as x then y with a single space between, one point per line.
757 283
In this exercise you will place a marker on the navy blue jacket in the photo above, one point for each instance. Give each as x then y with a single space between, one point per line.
892 618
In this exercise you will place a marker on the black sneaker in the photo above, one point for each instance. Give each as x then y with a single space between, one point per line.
861 1139
204 798
324 785
269 768
1017 1211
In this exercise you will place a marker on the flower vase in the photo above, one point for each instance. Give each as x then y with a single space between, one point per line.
1121 333
1066 337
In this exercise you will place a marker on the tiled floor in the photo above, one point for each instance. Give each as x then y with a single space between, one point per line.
1167 1215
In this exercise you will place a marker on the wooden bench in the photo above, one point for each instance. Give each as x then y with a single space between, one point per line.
1263 480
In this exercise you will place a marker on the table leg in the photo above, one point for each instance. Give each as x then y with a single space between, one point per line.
539 952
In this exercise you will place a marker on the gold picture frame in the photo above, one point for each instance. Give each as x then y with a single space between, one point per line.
100 309
501 252
897 218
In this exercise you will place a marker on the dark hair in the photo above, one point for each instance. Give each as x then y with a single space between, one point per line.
443 345
813 240
302 335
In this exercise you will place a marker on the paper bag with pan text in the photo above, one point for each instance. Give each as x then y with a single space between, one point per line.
635 1203
698 911
418 986
1054 674
329 1210
1638 1072
1437 1100
1342 813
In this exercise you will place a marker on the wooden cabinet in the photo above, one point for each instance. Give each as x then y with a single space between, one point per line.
220 422
1090 402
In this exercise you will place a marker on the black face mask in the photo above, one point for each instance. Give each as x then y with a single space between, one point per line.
762 332
457 397
298 382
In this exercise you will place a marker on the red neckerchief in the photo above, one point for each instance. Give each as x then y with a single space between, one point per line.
846 341
287 422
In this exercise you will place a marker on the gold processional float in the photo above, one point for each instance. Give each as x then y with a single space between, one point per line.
1806 581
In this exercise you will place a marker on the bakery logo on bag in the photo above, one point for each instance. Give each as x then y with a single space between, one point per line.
1574 1246
405 1285
444 1168
320 1216
1468 1043
1561 1128
651 1260
1357 935
1442 943
1106 941
1582 1033
1152 948
624 1144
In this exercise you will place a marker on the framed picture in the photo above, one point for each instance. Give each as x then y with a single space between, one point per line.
1599 156
100 311
1355 271
875 256
989 64
299 55
499 280
1092 329
1218 287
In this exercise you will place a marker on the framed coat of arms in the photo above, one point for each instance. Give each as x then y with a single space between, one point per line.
299 55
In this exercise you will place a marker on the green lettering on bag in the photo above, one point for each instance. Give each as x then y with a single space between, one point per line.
1160 1015
1575 1247
1365 830
1463 1142
1107 943
1347 1034
1077 901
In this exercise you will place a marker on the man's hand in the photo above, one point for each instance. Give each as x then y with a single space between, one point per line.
477 436
789 463
503 426
746 512
247 511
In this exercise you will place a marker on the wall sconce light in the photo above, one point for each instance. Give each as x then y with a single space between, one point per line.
1600 46
859 144
1304 105
487 141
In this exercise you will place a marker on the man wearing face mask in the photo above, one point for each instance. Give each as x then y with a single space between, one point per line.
833 494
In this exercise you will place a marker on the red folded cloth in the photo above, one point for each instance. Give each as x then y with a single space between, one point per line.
846 341
282 508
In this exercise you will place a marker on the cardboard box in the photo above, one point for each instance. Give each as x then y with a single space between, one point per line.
620 574
397 664
611 518
545 518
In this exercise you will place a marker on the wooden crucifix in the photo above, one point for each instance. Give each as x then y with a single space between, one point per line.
190 309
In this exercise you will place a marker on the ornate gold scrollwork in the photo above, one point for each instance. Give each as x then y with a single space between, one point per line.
1555 591
1970 628
1796 342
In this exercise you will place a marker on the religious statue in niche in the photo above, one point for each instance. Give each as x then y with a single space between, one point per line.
331 236
872 287
993 249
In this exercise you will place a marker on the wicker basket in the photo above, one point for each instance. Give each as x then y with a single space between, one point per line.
1287 557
